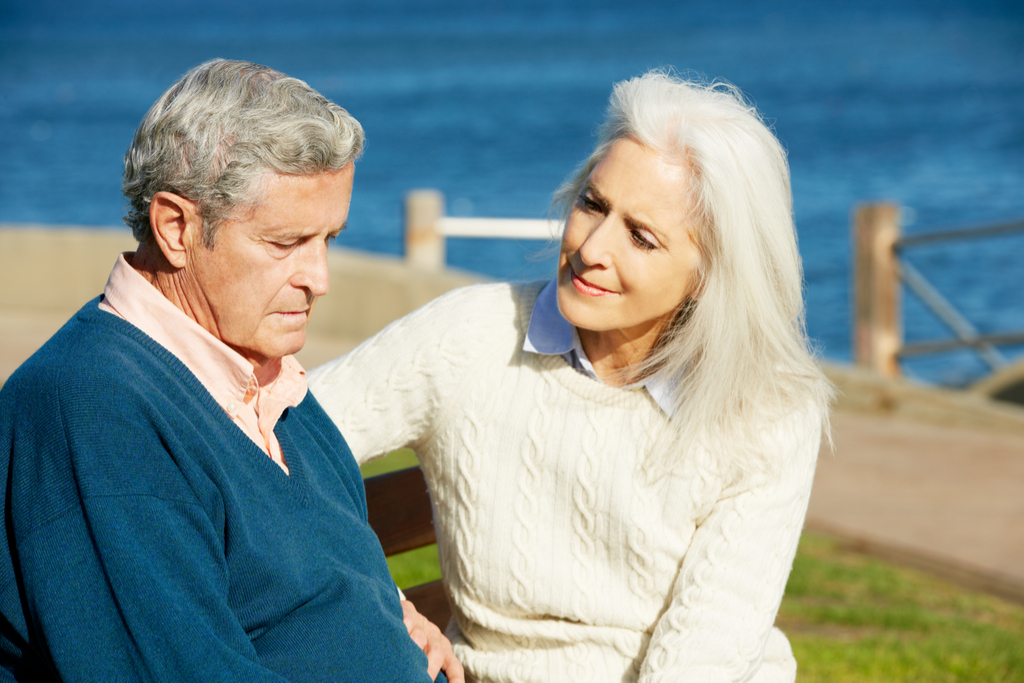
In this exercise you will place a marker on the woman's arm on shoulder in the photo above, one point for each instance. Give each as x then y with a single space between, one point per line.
389 391
732 579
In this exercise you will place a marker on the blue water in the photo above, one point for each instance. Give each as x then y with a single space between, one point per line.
919 102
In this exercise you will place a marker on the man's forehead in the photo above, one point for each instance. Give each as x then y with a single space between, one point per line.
297 205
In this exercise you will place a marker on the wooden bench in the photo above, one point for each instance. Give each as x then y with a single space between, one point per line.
399 509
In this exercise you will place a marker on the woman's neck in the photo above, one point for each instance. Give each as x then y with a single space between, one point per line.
615 355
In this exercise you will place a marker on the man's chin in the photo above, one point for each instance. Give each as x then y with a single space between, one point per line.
293 345
283 345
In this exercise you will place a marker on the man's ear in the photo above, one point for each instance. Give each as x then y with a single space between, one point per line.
176 226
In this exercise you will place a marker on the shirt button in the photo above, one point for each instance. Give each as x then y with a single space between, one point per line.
232 407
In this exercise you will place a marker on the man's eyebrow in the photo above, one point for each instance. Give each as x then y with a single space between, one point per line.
285 232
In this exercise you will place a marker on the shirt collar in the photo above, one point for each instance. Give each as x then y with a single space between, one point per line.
223 371
550 334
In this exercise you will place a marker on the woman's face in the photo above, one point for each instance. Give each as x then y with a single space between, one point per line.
627 260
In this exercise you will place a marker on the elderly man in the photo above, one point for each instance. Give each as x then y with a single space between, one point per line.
176 506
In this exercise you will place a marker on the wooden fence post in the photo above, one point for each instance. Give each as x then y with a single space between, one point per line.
878 332
424 244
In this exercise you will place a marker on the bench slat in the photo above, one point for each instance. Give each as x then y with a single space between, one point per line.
399 510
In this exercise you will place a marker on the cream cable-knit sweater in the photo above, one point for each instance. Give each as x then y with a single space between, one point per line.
566 555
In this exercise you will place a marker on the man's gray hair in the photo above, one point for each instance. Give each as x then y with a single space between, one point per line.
223 128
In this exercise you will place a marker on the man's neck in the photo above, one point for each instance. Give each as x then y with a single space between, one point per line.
149 262
152 265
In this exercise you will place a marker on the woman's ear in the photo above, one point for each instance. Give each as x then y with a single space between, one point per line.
176 226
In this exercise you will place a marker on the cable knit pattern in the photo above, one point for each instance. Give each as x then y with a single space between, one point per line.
467 503
568 555
524 528
586 521
643 588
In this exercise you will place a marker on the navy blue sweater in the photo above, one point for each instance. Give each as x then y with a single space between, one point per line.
145 537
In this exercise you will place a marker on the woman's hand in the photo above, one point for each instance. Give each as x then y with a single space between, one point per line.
433 643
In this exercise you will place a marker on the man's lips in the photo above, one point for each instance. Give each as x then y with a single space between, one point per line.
588 288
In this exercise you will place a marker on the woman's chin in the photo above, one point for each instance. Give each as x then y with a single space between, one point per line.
581 311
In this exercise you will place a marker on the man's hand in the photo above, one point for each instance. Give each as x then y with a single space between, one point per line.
433 643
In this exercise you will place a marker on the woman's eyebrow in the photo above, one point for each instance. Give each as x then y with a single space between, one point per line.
632 222
596 196
636 224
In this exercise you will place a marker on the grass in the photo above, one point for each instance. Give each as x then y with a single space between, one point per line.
852 618
395 460
415 567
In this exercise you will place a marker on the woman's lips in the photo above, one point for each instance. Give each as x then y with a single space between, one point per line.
584 287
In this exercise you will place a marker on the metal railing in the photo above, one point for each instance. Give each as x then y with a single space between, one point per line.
878 272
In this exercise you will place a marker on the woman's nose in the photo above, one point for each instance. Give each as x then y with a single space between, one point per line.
595 251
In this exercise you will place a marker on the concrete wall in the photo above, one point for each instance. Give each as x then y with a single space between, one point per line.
56 269
48 272
368 291
864 391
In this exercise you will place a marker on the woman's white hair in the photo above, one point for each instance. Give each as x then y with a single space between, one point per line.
736 349
223 128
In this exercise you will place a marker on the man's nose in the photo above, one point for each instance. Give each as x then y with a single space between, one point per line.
314 274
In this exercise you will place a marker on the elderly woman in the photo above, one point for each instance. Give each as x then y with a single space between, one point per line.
620 459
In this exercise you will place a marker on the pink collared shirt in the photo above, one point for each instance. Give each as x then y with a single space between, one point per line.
223 371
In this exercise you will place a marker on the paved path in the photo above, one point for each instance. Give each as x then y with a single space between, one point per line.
946 500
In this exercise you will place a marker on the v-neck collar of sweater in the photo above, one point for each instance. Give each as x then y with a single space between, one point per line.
295 479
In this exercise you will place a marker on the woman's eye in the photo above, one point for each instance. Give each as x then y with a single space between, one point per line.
588 204
641 241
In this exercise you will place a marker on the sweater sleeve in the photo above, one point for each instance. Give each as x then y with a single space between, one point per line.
121 566
718 625
391 390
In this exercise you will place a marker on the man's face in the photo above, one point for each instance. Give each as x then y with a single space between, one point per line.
254 290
